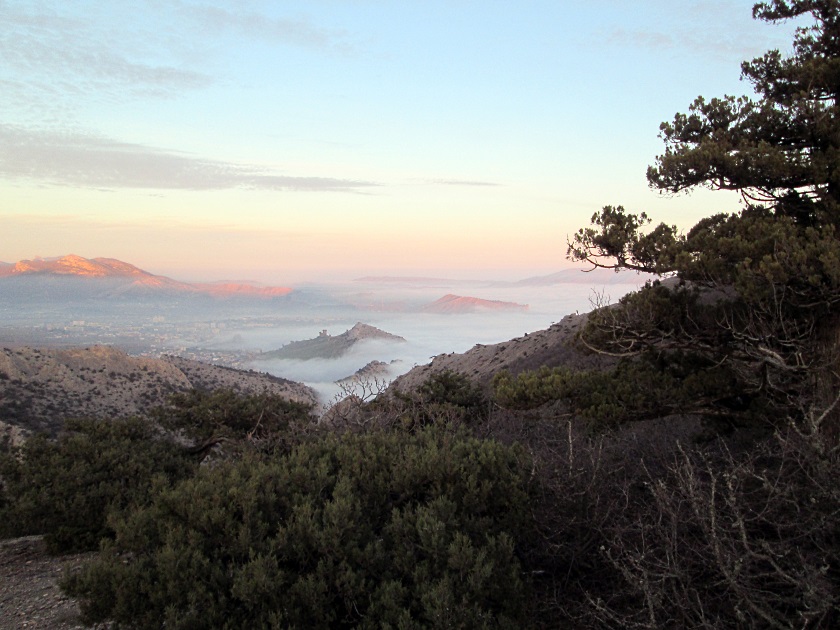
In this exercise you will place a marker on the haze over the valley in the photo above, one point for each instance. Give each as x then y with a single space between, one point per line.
399 321
241 177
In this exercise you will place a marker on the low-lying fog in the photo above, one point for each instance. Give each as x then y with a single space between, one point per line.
233 332
426 334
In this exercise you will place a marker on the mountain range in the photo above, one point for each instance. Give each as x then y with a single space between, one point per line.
594 276
103 277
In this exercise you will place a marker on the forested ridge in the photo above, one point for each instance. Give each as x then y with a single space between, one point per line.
689 481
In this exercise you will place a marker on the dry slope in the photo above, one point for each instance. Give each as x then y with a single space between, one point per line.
40 387
551 347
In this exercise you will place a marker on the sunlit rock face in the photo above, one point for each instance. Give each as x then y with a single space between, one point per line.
77 266
126 278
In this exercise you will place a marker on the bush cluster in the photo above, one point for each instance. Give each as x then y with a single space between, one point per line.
378 530
65 488
646 388
444 397
224 413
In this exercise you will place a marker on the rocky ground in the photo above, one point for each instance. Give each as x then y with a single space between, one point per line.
29 593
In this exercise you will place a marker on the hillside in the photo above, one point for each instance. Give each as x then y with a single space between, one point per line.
240 289
326 346
551 347
39 388
589 277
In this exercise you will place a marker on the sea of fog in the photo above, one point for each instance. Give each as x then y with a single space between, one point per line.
236 331
394 309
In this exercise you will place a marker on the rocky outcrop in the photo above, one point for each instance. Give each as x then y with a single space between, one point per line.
373 371
326 346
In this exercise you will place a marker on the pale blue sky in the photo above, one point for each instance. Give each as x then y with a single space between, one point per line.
288 140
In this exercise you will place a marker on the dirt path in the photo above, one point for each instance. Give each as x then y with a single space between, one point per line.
29 593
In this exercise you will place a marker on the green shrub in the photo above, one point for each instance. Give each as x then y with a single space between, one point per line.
654 386
65 488
380 530
444 397
203 415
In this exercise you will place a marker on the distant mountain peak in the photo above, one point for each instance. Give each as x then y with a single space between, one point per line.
74 265
242 289
451 303
126 278
362 331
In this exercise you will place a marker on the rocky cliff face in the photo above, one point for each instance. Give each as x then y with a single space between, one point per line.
40 388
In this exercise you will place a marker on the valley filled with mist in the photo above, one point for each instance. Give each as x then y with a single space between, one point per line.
246 329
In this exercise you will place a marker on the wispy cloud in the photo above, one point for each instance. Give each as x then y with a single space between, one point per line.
78 159
39 49
55 65
462 182
259 25
710 37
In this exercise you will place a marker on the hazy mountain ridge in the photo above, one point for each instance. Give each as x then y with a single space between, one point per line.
241 289
451 303
41 387
326 346
565 276
591 277
409 280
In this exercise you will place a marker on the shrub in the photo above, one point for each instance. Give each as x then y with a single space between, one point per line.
203 415
65 488
379 530
651 387
723 540
444 397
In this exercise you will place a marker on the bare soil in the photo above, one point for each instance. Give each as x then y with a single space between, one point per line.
29 594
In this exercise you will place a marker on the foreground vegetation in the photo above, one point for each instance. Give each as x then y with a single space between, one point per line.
691 483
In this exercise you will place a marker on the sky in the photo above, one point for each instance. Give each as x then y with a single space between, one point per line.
289 141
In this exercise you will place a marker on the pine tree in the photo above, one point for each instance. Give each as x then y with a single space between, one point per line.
770 272
781 151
